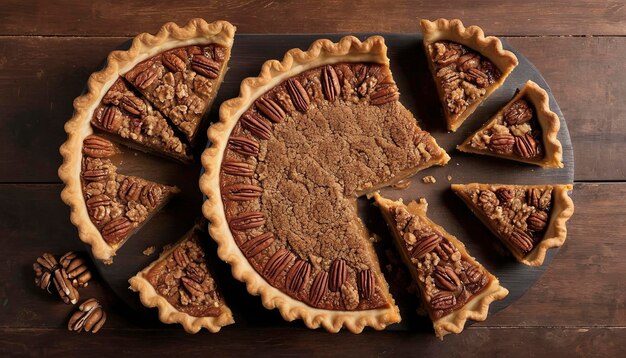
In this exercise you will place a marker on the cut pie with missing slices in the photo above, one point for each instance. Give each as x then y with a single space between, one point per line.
181 285
454 287
524 130
466 66
528 219
289 157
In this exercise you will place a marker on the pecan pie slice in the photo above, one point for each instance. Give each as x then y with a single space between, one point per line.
525 130
454 287
117 205
466 66
528 219
181 285
288 160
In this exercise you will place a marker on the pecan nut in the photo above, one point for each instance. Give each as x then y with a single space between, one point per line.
330 83
518 113
146 78
257 125
445 250
173 62
76 269
116 230
205 66
97 147
522 240
49 272
151 195
426 243
245 221
130 189
195 273
446 279
384 94
537 221
298 276
237 168
366 284
96 174
278 263
133 105
502 143
526 146
318 288
273 110
478 77
468 61
443 300
242 192
504 195
257 244
244 146
298 95
337 275
181 258
89 317
192 287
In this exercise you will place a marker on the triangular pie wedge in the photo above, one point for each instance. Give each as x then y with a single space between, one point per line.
116 205
528 219
525 130
288 159
181 285
466 66
454 287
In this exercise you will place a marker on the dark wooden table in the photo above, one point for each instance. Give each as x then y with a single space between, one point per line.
49 48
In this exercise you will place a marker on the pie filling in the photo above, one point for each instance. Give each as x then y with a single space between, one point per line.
184 280
518 214
182 83
514 132
117 204
448 278
462 75
295 163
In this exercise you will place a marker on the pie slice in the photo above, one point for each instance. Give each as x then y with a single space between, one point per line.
524 130
183 82
466 66
288 159
528 219
454 287
133 121
117 205
180 284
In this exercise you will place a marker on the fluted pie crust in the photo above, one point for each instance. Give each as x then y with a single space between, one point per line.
477 308
548 120
474 38
321 52
143 46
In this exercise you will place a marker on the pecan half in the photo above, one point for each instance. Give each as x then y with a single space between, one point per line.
445 250
330 83
257 125
526 146
98 200
504 195
271 109
318 288
298 275
443 300
337 275
76 268
278 263
242 192
478 77
257 244
470 273
468 61
445 53
502 143
521 240
109 119
245 221
130 189
446 279
96 174
173 62
195 273
537 221
181 258
426 243
205 66
116 230
192 287
146 78
151 195
244 146
298 95
384 94
97 147
237 168
533 197
487 200
518 113
89 317
133 105
367 284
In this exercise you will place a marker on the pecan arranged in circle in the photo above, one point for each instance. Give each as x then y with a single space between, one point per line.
367 284
502 143
445 250
130 189
151 194
244 146
273 110
319 287
278 263
245 221
518 113
330 83
478 77
257 244
242 192
298 275
338 275
298 95
241 169
257 125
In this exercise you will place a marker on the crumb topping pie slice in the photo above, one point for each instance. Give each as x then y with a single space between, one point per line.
466 66
288 159
525 130
117 111
454 287
528 219
180 284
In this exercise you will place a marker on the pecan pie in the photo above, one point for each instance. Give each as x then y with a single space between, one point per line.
182 287
289 157
117 205
528 219
454 287
466 66
524 130
192 59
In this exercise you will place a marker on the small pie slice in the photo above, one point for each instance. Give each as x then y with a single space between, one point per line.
524 130
454 287
132 120
180 284
528 219
466 66
288 159
182 82
117 205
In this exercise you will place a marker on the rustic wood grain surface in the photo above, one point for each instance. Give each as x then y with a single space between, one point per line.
49 48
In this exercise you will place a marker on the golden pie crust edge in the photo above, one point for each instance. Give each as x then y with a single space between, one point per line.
548 120
168 313
78 127
273 72
477 308
474 38
556 232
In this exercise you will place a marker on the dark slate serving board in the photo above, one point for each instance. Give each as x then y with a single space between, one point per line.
418 93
